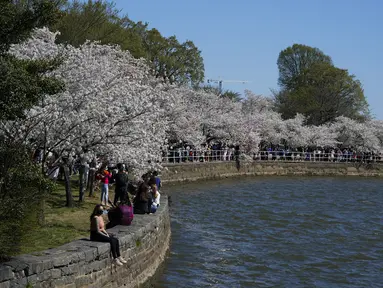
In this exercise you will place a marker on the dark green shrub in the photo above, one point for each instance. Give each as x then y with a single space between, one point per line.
23 189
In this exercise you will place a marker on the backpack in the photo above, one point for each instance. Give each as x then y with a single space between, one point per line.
127 214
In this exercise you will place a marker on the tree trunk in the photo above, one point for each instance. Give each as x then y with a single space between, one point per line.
82 183
92 174
68 190
86 176
91 178
41 208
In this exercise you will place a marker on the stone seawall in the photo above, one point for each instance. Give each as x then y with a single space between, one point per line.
193 171
83 263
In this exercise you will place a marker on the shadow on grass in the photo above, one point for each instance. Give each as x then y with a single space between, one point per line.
57 198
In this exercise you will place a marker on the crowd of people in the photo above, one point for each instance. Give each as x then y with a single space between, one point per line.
318 154
141 197
219 152
188 153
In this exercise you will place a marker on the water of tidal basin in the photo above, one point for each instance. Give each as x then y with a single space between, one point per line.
276 232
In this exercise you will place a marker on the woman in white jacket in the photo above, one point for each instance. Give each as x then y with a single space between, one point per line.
155 198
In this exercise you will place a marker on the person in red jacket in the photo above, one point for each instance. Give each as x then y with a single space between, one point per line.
105 176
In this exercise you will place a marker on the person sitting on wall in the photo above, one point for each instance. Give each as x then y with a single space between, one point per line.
142 199
155 199
99 234
154 179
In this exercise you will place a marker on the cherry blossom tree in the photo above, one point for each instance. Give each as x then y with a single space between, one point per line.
254 103
200 117
269 126
360 136
321 136
262 120
377 126
296 133
112 106
185 117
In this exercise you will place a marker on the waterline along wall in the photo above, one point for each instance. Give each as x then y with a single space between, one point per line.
192 171
83 263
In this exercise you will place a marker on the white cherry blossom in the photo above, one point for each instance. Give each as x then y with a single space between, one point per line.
113 107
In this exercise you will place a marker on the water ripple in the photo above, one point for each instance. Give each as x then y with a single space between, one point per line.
276 232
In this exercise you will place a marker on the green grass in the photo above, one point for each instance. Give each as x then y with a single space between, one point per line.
138 243
63 224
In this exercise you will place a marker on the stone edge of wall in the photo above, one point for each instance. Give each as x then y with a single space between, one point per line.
82 263
188 172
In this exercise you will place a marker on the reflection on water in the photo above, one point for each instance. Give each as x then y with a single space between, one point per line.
276 232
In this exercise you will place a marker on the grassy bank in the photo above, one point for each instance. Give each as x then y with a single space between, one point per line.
62 224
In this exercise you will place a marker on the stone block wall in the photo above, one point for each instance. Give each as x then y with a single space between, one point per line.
82 263
192 171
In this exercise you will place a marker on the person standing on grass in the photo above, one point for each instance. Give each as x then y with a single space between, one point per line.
99 234
121 181
104 177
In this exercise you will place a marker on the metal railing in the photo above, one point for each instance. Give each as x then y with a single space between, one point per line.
188 155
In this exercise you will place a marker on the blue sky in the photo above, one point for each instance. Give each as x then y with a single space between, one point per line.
241 39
